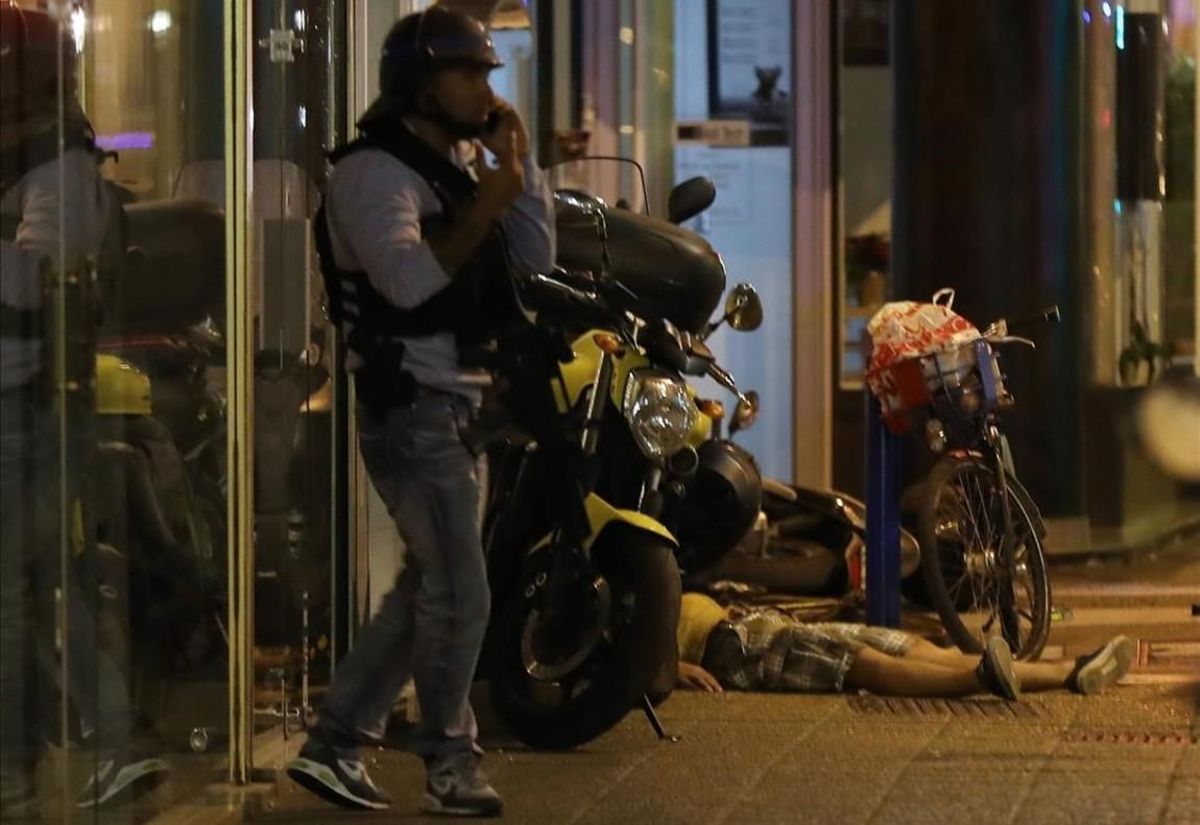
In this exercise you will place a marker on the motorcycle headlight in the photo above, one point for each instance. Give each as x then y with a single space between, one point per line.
660 413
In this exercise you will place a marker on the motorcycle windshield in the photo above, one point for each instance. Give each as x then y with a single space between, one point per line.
616 182
667 271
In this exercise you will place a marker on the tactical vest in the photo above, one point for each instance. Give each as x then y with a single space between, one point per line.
476 305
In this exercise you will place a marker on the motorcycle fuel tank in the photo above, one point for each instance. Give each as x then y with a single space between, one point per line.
673 272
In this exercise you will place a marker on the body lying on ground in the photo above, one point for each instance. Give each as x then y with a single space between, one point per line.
768 650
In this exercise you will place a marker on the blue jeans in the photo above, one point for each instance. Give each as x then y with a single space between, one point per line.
431 625
31 507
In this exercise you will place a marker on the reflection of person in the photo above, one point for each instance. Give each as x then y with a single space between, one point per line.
416 270
38 185
767 650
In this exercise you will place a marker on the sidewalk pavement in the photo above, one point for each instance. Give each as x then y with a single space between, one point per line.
1128 757
1132 756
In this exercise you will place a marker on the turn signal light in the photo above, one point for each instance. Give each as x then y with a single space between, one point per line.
713 409
607 343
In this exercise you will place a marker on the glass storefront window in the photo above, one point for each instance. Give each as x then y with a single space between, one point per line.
120 405
114 440
864 157
733 62
298 75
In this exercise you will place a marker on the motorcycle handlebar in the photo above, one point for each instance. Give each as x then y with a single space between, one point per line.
723 377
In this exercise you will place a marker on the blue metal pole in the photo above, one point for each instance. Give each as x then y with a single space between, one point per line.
883 520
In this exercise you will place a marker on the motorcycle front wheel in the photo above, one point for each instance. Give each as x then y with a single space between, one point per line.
964 546
556 688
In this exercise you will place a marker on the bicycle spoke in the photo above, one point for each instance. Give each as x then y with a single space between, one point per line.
984 511
965 497
957 588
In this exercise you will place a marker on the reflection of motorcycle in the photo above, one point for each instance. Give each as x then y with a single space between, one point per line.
158 318
149 555
160 476
598 437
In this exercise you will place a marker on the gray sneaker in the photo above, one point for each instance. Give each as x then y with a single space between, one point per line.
996 672
336 776
1096 671
456 786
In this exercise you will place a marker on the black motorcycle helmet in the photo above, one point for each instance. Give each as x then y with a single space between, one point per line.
419 46
722 502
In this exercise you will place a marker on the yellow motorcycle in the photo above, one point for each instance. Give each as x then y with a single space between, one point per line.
595 437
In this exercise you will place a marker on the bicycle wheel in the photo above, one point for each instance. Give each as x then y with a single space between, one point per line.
963 544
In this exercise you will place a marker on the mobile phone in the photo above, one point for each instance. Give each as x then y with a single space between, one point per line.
493 121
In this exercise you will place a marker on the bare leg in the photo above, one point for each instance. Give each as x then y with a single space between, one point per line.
1034 676
1041 676
924 650
903 676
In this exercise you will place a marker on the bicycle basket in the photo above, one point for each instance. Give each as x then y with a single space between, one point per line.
923 355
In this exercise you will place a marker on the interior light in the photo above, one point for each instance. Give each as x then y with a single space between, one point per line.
160 21
78 28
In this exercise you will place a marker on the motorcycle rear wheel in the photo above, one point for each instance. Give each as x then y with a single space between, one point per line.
558 699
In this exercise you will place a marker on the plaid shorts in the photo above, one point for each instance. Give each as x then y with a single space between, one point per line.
765 651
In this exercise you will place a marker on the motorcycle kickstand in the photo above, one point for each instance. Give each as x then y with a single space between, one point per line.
656 723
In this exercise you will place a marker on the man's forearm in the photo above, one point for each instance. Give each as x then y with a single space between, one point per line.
454 246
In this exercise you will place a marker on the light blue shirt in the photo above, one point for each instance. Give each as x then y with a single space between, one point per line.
69 187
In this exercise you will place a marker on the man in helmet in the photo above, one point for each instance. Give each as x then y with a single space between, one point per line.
40 182
419 238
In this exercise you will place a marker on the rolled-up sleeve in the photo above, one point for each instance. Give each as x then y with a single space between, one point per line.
42 237
529 224
375 215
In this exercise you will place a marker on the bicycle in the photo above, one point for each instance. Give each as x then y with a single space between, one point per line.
981 534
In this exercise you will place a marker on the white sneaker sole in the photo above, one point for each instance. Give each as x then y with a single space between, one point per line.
148 772
322 781
1112 663
432 805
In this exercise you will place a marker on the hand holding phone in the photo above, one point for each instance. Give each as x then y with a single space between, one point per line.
501 185
501 123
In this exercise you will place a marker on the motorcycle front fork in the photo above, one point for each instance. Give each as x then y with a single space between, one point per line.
650 501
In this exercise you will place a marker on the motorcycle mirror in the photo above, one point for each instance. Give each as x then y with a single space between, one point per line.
746 413
744 309
592 209
690 198
581 201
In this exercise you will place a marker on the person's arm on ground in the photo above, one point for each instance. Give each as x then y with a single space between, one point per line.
694 677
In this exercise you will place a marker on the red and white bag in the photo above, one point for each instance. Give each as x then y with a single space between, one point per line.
902 334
